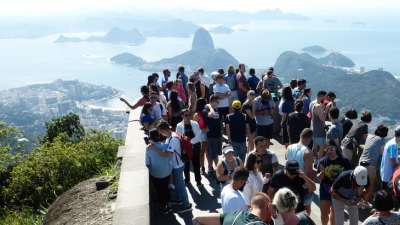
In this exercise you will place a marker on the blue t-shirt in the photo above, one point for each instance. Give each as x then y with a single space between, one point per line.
390 152
159 166
253 82
147 118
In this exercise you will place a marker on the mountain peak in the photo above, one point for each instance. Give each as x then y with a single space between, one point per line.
202 40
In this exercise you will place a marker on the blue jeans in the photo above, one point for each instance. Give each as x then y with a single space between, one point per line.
240 149
180 187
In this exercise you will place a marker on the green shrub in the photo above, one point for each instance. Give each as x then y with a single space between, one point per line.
23 217
56 166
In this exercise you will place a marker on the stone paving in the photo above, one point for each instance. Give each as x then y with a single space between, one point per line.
205 199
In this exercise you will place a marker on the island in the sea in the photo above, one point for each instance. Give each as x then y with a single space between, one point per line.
115 35
30 107
375 89
203 54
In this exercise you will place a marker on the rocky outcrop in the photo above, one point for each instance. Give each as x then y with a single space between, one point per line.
314 49
203 54
63 39
128 59
375 90
337 59
82 204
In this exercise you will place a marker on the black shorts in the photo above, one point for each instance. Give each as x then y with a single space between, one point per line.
265 131
285 135
252 125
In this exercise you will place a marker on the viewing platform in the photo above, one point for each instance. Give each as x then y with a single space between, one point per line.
133 206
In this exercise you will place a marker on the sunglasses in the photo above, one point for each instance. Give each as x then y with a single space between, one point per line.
187 115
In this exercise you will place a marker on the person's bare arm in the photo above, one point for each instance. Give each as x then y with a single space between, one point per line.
209 219
220 173
308 161
132 107
159 151
309 183
271 192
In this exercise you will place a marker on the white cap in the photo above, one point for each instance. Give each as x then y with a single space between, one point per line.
360 173
227 150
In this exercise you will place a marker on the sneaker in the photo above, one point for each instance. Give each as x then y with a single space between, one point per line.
186 208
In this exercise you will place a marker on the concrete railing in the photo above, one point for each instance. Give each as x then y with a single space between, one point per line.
132 205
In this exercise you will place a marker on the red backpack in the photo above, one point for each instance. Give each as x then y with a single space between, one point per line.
186 148
201 122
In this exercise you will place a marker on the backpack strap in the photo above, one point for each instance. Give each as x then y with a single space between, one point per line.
225 167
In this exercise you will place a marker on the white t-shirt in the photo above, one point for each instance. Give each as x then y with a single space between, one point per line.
205 79
253 185
232 200
174 146
222 89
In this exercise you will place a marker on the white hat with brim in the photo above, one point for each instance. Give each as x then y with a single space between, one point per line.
360 174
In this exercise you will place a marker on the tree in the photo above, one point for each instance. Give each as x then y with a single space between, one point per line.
69 125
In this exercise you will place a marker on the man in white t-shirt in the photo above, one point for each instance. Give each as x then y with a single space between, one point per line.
222 90
174 146
232 198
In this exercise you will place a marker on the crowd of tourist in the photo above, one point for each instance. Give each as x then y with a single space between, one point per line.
221 126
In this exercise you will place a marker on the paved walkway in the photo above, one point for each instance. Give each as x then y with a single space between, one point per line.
205 199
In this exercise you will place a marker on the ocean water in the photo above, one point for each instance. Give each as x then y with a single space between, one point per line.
27 61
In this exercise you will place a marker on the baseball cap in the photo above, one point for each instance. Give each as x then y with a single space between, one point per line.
360 174
292 166
227 150
236 104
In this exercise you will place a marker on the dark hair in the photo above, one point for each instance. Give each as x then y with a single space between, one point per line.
293 83
383 201
258 139
221 71
214 98
173 98
169 84
306 133
298 106
163 125
200 104
366 117
338 150
154 135
321 93
181 68
252 71
381 131
200 70
144 89
154 88
306 91
150 79
301 82
166 71
155 75
331 94
397 132
287 93
231 69
334 113
146 107
250 161
240 174
351 114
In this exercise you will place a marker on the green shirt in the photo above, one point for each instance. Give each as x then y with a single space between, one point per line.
240 218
